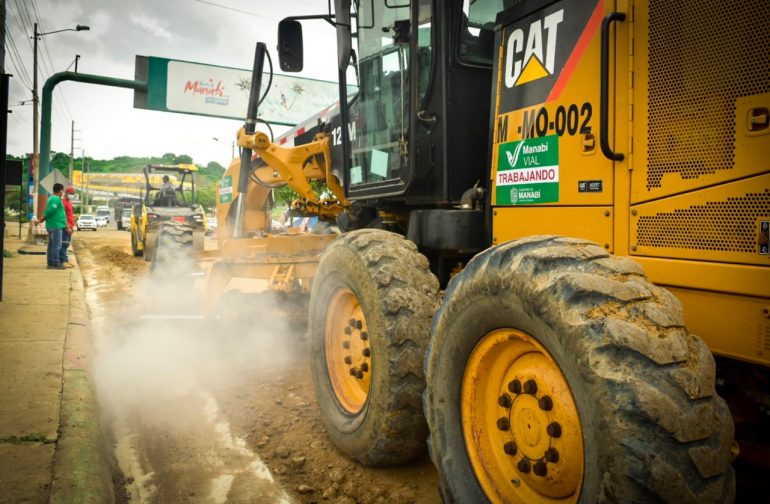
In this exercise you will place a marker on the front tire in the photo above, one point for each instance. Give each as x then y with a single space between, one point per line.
546 331
372 301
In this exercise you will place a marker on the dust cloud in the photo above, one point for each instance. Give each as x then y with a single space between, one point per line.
159 369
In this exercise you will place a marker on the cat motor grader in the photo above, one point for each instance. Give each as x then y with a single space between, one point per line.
538 201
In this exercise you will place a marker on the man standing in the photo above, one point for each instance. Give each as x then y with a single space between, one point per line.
55 223
69 212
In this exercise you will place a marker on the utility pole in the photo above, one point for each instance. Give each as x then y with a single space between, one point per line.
35 121
85 178
72 152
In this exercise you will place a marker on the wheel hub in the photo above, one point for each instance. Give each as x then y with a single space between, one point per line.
348 354
520 423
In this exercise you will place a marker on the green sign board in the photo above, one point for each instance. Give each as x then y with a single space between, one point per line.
226 189
528 171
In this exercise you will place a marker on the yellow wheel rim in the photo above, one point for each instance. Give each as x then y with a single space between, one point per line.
348 353
520 424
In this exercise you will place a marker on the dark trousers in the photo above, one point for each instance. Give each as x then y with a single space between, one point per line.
54 246
66 238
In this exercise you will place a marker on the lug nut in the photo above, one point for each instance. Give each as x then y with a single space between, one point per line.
510 448
353 371
540 468
364 367
515 387
348 331
359 324
348 360
352 322
523 466
346 344
503 424
504 401
360 374
554 429
545 403
364 335
551 455
367 352
530 387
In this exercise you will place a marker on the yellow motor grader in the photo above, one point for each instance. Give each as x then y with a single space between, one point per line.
548 217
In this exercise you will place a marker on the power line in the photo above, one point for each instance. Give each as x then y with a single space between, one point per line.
234 9
17 61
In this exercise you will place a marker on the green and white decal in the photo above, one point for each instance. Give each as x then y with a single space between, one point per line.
226 189
528 171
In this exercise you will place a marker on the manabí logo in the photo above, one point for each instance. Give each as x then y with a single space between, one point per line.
538 59
513 158
514 195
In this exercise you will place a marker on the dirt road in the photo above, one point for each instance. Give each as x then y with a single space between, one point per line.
200 412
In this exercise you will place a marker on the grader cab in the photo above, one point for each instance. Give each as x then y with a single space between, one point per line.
537 207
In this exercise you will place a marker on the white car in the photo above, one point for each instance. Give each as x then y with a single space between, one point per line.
86 221
101 221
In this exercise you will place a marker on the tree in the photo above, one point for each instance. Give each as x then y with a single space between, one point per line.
182 159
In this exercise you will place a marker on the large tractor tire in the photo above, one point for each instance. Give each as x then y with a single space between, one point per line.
558 373
371 306
173 250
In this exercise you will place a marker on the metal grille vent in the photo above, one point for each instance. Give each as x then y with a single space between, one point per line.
729 225
767 338
702 56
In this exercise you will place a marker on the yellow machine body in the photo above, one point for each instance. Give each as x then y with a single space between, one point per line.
690 198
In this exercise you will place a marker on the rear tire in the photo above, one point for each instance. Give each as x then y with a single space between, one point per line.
374 287
173 250
653 428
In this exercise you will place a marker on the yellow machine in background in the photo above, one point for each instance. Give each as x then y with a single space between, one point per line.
541 311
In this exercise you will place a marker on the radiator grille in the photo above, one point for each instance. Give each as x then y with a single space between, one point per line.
702 56
729 225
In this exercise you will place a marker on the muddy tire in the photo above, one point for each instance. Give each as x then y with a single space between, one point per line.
650 427
371 306
173 249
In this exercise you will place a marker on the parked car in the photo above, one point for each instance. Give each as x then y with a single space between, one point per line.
86 221
101 220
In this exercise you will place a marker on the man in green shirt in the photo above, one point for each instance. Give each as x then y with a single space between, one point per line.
55 223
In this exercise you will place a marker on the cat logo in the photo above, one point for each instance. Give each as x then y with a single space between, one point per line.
537 60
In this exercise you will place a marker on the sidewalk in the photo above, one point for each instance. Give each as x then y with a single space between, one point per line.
52 448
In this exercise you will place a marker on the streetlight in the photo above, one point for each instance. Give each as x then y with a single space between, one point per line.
35 117
232 149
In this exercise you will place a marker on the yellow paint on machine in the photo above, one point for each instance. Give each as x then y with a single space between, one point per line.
591 223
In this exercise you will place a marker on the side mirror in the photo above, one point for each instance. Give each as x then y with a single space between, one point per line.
290 45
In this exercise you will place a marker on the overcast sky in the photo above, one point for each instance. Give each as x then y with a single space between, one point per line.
219 32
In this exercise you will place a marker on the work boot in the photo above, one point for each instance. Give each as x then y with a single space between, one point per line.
68 264
57 266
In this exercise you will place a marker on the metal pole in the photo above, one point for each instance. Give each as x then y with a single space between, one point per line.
2 36
251 123
4 85
35 121
49 86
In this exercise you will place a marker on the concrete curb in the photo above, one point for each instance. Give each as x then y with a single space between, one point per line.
81 464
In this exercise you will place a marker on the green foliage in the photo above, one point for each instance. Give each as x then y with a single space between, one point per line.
207 197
